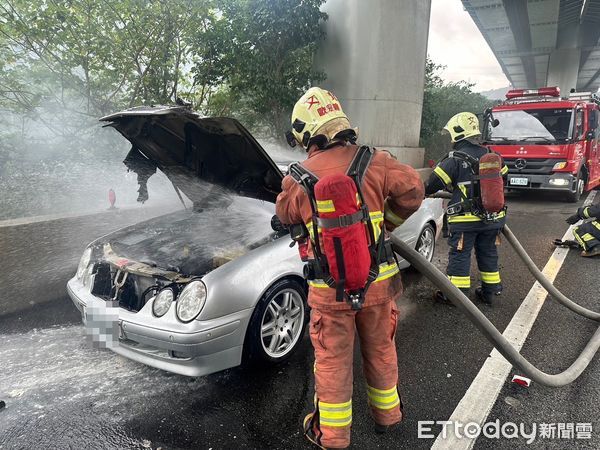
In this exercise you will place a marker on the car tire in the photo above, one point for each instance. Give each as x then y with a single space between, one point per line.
574 196
284 307
426 242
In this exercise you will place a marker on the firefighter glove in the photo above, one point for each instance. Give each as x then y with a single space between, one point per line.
276 224
573 219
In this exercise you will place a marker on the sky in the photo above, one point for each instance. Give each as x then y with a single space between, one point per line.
455 41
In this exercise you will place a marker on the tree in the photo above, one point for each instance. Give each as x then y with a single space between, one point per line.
440 102
65 63
92 57
268 55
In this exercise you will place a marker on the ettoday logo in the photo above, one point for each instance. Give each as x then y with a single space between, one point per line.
508 430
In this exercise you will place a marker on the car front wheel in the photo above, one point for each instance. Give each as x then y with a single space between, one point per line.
426 242
278 323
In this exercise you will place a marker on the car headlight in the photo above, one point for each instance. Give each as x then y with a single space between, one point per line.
560 165
84 262
191 301
162 302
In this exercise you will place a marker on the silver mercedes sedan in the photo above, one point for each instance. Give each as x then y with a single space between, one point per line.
208 287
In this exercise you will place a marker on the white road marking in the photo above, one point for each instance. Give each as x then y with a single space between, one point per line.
481 396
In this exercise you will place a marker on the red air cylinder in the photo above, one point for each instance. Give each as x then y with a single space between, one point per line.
490 182
336 196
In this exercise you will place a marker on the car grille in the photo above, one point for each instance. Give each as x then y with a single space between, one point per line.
532 166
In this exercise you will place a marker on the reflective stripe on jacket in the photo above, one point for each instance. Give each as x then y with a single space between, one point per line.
455 175
391 190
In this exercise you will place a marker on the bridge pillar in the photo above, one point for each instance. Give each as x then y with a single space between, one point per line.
563 69
374 57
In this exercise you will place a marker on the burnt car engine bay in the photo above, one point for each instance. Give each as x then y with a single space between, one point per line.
133 264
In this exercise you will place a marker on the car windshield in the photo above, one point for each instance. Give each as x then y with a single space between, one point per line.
544 125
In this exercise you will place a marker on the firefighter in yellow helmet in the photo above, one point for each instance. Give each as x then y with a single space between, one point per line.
587 234
318 118
391 192
468 228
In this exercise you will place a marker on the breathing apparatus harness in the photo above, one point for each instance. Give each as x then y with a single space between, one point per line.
486 197
337 237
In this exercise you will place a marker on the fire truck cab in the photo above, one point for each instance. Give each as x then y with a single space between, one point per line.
548 142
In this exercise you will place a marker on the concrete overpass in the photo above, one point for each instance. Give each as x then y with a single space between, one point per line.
374 57
543 42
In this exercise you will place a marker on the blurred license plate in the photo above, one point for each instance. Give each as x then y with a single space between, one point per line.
519 181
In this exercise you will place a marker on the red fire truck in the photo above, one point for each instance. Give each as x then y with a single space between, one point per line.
547 142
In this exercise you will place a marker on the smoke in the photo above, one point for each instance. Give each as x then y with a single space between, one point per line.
53 164
60 161
280 153
407 306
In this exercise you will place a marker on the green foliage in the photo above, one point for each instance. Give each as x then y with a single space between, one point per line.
68 62
94 56
266 50
440 102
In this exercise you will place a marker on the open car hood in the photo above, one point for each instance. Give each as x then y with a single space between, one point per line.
185 146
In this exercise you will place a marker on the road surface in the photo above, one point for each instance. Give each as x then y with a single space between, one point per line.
61 393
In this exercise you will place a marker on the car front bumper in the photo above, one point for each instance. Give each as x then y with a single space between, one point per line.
543 181
193 349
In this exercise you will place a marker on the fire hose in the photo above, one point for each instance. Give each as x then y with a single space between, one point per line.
490 332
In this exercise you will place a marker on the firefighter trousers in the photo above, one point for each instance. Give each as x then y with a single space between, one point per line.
332 333
588 234
461 244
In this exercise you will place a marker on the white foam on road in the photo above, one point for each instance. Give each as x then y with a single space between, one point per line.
51 373
481 396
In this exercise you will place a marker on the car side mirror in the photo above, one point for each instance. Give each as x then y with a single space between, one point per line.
590 135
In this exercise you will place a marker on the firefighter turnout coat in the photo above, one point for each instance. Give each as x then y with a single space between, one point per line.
588 233
468 230
392 192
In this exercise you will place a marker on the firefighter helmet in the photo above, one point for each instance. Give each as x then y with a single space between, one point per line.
462 125
318 112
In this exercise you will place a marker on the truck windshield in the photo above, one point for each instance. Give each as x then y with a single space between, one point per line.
545 125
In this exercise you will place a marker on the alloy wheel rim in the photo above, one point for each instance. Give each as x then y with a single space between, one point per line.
282 323
426 241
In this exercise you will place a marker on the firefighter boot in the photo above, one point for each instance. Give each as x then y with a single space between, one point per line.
382 429
484 297
594 251
310 431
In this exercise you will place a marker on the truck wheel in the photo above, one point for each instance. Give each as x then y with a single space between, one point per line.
574 196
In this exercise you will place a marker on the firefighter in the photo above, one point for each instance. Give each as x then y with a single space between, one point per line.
588 233
392 192
468 227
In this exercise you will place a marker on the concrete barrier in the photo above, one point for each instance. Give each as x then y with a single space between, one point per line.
39 256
